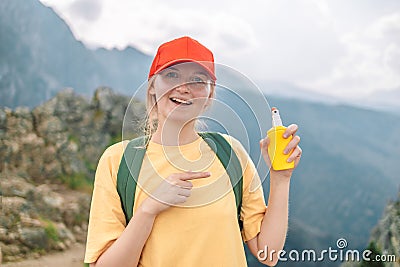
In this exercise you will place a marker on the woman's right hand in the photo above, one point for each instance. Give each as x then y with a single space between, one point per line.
174 190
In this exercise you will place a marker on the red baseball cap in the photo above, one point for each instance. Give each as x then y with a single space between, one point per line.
184 49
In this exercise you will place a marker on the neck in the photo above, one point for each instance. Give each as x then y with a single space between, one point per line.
173 133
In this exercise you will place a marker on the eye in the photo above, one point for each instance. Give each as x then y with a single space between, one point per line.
172 74
197 79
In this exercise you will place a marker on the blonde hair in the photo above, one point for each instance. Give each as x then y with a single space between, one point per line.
151 121
151 109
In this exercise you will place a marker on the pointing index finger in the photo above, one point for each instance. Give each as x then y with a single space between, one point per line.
194 175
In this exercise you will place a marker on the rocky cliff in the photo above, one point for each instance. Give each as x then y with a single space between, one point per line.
385 238
386 235
48 156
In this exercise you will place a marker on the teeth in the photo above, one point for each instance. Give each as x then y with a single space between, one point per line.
181 101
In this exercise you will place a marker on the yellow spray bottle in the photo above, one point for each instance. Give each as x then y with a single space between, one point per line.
278 143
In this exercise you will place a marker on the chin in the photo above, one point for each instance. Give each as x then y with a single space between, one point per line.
181 117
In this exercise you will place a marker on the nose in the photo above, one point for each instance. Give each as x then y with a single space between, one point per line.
183 88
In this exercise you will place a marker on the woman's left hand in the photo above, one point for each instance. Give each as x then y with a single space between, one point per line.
293 145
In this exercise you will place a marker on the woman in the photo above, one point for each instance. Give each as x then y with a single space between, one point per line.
184 210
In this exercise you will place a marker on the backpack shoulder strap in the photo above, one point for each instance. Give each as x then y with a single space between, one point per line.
231 163
132 159
128 173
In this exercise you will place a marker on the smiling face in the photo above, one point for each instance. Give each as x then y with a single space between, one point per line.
182 91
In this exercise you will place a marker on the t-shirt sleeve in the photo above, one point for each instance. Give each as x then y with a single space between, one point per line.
253 202
106 220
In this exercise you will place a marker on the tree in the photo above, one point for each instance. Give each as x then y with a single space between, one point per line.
372 263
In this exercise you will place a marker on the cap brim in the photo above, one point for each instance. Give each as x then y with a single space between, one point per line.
177 61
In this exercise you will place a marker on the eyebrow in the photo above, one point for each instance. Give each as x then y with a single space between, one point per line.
201 73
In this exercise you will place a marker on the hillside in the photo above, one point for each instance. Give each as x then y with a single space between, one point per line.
50 152
39 56
351 166
48 156
386 234
349 169
385 237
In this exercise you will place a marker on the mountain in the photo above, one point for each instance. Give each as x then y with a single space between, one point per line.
338 191
381 100
349 167
38 51
385 100
385 237
39 56
48 156
386 234
348 171
288 90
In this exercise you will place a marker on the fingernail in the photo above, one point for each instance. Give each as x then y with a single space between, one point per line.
285 151
209 173
285 136
289 160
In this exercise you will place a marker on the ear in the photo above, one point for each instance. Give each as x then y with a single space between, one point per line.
152 91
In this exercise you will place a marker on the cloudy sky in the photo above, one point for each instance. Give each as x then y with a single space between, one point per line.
347 48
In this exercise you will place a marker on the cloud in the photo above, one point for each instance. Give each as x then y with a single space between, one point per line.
296 42
385 29
392 58
147 24
89 10
370 63
330 46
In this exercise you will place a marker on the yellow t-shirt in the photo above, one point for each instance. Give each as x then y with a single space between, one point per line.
204 231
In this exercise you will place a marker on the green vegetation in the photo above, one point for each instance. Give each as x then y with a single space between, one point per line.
90 166
98 115
50 230
40 251
375 251
115 139
80 218
73 138
78 181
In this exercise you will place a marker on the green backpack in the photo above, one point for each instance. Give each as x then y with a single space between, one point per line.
132 159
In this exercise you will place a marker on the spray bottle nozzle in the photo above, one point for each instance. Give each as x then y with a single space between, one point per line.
276 118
